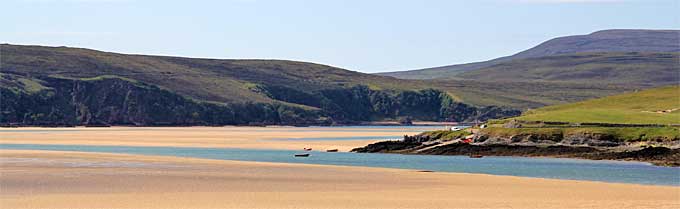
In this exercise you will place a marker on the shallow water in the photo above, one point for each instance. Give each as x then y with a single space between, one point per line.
606 171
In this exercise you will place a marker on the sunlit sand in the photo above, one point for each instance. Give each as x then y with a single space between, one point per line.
224 137
47 179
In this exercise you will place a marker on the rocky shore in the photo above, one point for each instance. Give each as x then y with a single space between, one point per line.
583 146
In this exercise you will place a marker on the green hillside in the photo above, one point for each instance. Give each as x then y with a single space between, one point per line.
653 106
67 86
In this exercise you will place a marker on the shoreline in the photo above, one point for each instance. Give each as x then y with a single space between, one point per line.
587 156
219 137
221 183
473 143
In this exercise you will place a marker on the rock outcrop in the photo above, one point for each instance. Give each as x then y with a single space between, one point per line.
594 146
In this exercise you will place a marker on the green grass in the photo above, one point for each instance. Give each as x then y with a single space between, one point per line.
621 133
631 108
446 134
20 84
629 134
32 86
103 77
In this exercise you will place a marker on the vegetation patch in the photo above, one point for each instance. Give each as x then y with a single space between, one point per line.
653 106
628 134
446 134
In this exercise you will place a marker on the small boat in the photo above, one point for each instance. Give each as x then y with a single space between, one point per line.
302 155
476 156
308 149
332 150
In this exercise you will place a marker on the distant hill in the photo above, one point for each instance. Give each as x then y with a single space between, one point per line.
652 106
608 41
632 68
528 94
600 41
74 86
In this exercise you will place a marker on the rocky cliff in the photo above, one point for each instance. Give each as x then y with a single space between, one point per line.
112 100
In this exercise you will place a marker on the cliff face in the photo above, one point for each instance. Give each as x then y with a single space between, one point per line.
119 101
114 101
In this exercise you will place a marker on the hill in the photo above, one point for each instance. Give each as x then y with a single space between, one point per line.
600 41
608 41
631 68
528 94
652 106
74 86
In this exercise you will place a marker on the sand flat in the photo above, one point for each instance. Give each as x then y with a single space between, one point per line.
223 137
52 179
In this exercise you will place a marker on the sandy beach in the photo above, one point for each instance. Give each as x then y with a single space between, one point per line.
224 137
55 179
50 179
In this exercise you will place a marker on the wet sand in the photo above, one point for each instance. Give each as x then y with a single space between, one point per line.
224 137
49 179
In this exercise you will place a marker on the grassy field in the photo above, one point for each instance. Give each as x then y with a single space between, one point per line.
620 133
643 107
653 106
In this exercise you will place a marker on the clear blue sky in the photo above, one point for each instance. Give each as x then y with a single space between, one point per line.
366 36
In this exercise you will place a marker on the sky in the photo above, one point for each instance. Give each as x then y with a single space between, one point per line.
360 35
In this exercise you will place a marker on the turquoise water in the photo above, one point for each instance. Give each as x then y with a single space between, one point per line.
606 171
